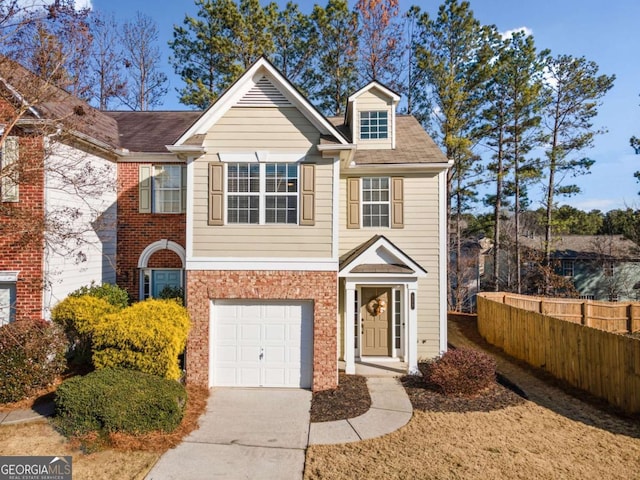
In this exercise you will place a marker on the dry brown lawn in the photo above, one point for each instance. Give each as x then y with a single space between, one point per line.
39 438
520 442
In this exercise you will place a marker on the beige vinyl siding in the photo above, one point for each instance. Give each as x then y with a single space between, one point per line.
420 240
244 129
373 100
276 130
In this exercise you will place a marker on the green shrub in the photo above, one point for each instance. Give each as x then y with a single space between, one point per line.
113 294
463 371
79 316
172 293
115 400
32 355
147 336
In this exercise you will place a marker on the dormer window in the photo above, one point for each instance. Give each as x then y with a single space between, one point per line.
374 125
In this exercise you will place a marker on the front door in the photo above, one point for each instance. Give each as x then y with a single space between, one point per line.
375 313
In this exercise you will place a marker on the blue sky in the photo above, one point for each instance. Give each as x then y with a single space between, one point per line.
605 32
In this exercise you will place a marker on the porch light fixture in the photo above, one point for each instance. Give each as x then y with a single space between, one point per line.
413 300
377 306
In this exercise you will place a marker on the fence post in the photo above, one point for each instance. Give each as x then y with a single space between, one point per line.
586 312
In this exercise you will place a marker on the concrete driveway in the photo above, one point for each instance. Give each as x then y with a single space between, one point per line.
245 433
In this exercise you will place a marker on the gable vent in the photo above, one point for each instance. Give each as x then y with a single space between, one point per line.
264 93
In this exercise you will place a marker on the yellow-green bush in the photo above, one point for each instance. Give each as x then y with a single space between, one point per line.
79 316
147 336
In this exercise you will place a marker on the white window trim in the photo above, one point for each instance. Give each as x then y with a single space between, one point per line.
378 137
568 265
262 194
388 202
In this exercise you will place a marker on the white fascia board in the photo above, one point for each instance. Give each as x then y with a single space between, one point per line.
190 149
261 157
394 96
444 258
404 167
229 98
374 280
278 264
151 158
331 147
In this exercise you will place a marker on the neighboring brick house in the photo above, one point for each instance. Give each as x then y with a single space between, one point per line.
299 240
53 145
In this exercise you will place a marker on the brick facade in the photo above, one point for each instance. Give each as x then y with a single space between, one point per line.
21 234
138 230
320 287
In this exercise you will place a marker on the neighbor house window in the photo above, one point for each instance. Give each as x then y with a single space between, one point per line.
608 269
375 201
374 125
567 268
162 189
167 189
262 193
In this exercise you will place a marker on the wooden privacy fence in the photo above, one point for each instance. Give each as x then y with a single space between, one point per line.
608 316
602 363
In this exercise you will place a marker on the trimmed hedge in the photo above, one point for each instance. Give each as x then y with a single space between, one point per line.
79 316
113 294
147 336
116 400
32 355
462 371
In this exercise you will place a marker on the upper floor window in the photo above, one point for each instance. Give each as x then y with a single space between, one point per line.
375 201
567 268
162 189
167 187
608 269
9 189
262 193
374 125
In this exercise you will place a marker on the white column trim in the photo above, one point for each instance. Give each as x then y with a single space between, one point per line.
189 212
443 258
412 330
349 327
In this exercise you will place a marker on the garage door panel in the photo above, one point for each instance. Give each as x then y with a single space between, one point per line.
279 330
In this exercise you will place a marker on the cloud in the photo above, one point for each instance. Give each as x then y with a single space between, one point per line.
527 31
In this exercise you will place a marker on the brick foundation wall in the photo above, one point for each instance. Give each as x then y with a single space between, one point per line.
320 287
25 252
138 230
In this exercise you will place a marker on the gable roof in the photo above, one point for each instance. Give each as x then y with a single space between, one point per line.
395 97
587 247
377 256
239 90
413 145
49 103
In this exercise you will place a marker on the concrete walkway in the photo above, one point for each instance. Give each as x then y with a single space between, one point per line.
390 410
37 412
245 433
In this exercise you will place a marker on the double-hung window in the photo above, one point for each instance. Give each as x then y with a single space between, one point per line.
375 201
167 189
374 125
567 268
162 189
262 193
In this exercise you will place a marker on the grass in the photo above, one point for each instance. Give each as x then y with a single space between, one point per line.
519 442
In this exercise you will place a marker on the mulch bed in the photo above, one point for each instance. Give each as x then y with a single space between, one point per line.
349 400
427 399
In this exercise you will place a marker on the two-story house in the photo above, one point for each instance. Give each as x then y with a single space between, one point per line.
300 240
57 194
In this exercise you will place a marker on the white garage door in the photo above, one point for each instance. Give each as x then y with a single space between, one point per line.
262 344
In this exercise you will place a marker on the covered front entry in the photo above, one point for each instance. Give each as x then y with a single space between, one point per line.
379 298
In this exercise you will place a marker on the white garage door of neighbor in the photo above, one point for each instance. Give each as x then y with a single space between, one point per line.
261 344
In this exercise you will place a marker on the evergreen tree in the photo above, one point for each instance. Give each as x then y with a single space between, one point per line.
573 91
